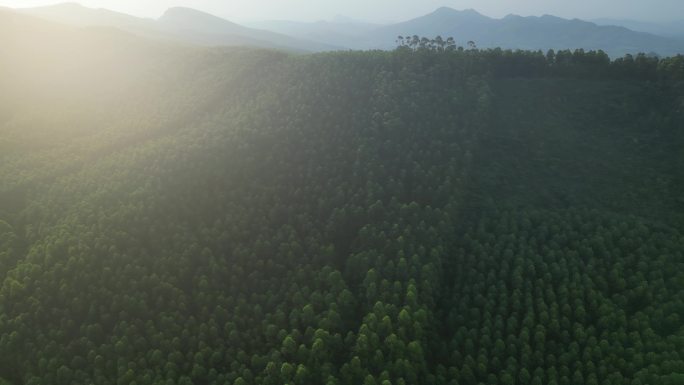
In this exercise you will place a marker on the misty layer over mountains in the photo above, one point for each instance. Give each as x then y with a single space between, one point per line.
182 24
511 32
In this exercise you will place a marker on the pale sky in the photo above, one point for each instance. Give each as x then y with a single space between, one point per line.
388 10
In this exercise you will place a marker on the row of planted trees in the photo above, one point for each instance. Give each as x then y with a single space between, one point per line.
565 62
308 227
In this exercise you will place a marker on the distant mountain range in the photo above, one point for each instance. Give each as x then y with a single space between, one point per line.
514 32
534 33
182 24
340 32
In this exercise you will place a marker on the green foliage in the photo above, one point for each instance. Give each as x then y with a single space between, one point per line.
427 216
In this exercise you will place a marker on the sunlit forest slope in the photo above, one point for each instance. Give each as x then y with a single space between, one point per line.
177 215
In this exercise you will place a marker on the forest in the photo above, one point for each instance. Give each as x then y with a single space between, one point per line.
175 215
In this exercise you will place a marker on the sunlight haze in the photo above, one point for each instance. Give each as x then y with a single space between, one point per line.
341 192
386 10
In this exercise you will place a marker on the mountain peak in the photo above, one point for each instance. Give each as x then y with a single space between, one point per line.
445 10
446 14
452 11
196 19
184 11
191 13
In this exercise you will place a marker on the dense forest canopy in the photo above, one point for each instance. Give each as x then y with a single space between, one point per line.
182 215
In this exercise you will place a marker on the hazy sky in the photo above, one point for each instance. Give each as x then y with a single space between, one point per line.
388 10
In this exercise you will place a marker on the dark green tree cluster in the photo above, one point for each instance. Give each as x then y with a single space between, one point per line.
250 217
566 297
576 63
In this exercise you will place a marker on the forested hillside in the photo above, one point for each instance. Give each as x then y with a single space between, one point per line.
429 215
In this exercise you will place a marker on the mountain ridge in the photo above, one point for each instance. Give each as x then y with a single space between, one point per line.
527 32
177 23
674 29
509 32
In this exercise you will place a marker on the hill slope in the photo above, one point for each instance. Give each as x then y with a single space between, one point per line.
181 24
78 15
342 32
241 216
673 29
204 28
